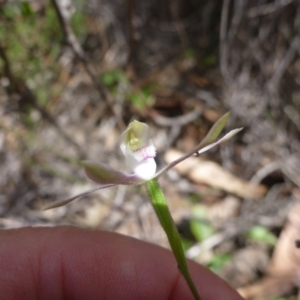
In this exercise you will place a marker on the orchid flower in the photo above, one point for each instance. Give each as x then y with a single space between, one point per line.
139 153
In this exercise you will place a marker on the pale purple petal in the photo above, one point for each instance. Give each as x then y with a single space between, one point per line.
104 174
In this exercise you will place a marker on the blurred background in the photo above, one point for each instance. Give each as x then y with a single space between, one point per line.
74 73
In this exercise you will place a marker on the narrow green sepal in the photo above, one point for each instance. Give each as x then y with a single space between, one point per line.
215 131
207 143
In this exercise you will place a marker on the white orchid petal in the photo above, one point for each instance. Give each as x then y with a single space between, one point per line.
145 169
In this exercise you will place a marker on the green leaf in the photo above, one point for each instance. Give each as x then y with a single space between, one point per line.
215 130
210 60
262 234
141 99
113 77
186 244
218 261
26 9
190 53
200 227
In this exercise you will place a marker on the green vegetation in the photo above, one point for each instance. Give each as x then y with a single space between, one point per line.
200 226
262 235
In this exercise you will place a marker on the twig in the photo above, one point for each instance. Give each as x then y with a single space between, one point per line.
208 97
211 242
63 17
285 62
267 8
223 39
290 168
265 171
293 115
178 121
131 34
175 124
236 19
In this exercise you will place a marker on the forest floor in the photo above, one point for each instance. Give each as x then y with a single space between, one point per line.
236 206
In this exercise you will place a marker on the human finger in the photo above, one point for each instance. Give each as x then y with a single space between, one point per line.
73 263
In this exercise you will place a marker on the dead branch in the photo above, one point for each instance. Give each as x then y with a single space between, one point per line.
267 8
223 39
179 121
285 62
64 15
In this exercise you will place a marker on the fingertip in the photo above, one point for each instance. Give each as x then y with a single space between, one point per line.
68 262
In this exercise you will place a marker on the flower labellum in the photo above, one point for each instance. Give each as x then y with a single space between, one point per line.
139 150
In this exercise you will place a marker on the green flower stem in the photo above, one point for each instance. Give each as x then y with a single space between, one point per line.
160 206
